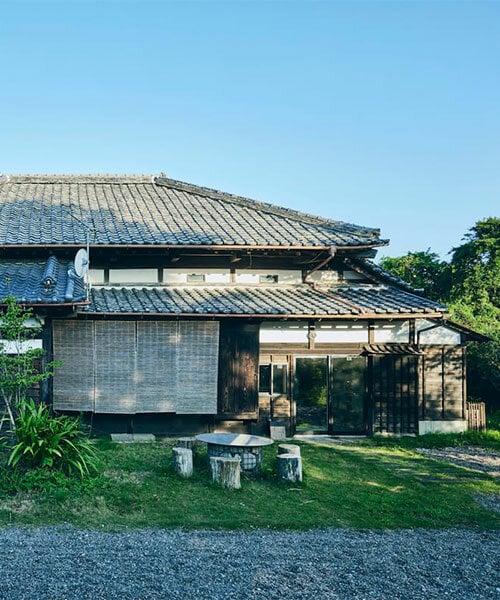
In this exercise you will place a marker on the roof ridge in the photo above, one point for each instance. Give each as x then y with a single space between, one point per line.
265 206
76 178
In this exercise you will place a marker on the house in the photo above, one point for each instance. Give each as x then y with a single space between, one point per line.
204 311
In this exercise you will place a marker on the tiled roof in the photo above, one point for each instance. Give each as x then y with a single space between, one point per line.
50 281
258 300
143 210
370 269
382 299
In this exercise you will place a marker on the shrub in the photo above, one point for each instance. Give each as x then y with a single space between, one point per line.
19 367
44 440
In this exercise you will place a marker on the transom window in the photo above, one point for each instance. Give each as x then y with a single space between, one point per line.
195 278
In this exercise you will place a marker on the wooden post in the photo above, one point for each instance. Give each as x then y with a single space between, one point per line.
289 468
226 471
289 449
182 461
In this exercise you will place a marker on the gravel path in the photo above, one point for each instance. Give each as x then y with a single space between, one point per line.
472 457
64 563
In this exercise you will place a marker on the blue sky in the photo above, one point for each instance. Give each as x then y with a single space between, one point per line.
384 114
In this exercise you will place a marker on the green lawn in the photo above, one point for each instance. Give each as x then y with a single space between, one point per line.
360 486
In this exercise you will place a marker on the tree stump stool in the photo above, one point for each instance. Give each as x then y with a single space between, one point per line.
277 431
289 449
289 468
226 471
186 442
182 461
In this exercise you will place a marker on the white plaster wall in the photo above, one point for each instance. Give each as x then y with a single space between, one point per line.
458 426
126 276
342 332
438 335
32 322
324 277
251 276
285 333
96 276
8 347
392 332
176 276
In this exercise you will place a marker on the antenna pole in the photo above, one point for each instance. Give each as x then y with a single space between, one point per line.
88 229
87 271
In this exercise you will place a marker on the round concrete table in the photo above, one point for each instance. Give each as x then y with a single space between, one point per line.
247 447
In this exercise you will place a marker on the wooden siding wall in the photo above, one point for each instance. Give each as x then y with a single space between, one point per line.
281 408
443 383
394 383
238 369
133 367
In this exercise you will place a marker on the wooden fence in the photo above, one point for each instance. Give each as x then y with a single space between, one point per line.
476 416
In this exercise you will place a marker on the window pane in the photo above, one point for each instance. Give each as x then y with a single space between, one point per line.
196 278
279 379
265 379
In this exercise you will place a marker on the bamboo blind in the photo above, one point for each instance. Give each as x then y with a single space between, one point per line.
115 349
73 382
136 367
156 371
198 356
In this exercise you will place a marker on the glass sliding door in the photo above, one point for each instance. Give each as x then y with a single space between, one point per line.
329 394
311 394
347 403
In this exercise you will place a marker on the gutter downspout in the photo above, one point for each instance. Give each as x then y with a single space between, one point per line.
332 251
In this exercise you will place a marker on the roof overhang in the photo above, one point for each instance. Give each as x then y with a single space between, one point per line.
266 316
391 350
209 247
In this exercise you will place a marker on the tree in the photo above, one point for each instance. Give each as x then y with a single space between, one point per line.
422 270
475 265
475 302
469 285
19 363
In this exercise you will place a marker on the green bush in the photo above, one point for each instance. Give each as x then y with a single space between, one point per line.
54 442
493 421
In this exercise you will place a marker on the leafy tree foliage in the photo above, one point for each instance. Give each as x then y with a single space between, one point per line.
19 364
475 302
469 285
474 294
422 270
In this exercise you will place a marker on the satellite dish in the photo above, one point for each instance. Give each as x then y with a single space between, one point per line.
81 263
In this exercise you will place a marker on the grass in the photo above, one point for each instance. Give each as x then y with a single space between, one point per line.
359 486
485 439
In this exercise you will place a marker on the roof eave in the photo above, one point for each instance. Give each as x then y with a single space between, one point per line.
51 304
74 245
279 316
